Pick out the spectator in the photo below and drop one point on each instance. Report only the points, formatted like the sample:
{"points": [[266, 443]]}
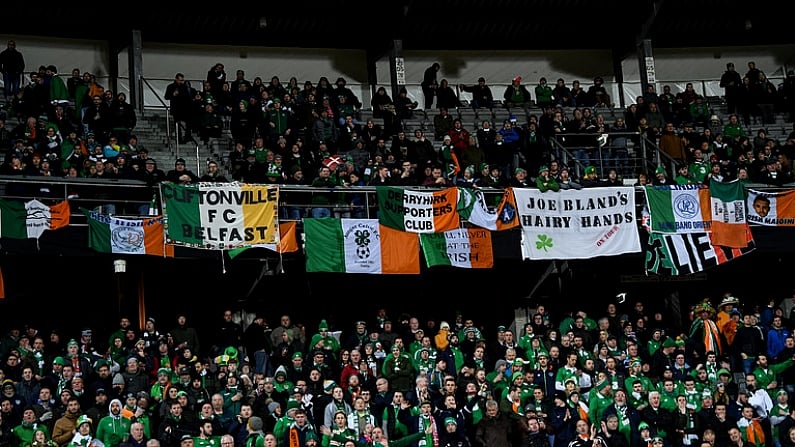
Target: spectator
{"points": [[429, 84], [12, 66], [517, 95], [180, 96]]}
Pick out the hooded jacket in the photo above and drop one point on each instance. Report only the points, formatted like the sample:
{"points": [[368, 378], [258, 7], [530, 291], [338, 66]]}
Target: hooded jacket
{"points": [[113, 429]]}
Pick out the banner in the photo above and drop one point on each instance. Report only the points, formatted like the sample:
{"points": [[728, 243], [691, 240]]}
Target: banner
{"points": [[773, 209], [28, 220], [679, 208], [288, 241], [220, 215], [108, 234], [472, 207], [465, 247], [728, 213], [685, 254], [359, 246], [418, 211], [577, 224]]}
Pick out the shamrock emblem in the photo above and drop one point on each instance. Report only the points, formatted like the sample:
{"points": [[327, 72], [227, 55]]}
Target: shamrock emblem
{"points": [[544, 242]]}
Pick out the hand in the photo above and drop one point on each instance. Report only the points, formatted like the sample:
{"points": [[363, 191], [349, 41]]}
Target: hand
{"points": [[46, 416]]}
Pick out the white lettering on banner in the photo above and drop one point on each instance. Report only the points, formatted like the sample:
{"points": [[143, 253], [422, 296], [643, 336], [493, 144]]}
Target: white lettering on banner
{"points": [[577, 224]]}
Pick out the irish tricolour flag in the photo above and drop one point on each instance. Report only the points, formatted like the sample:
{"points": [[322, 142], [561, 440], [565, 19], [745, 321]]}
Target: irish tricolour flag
{"points": [[28, 220], [359, 246], [220, 215], [679, 208], [464, 247], [109, 234]]}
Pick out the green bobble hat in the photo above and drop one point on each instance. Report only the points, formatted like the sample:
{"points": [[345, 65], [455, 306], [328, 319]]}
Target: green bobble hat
{"points": [[292, 404], [669, 343], [543, 168], [59, 361], [448, 421], [323, 326], [590, 170], [659, 170]]}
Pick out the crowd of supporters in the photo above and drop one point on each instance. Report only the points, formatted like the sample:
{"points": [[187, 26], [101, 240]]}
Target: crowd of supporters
{"points": [[623, 377]]}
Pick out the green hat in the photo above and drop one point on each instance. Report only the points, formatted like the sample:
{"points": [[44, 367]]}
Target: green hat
{"points": [[59, 361], [590, 170], [162, 372], [482, 167], [643, 425], [297, 355], [543, 168], [329, 385], [83, 419], [659, 170], [72, 342], [292, 404], [542, 354], [603, 384], [323, 326], [310, 436], [669, 343], [450, 421], [231, 351]]}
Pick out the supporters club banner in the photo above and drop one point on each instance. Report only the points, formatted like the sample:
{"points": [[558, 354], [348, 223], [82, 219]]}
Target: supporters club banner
{"points": [[679, 208], [220, 215], [359, 246], [108, 234], [418, 211], [772, 209], [464, 247], [577, 224], [28, 220]]}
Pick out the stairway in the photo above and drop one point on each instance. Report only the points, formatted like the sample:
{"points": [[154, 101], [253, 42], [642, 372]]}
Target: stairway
{"points": [[153, 135]]}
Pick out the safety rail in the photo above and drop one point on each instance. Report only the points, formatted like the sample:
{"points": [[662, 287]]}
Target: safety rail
{"points": [[133, 198]]}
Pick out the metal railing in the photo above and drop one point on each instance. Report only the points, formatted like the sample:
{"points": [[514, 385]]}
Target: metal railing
{"points": [[132, 198]]}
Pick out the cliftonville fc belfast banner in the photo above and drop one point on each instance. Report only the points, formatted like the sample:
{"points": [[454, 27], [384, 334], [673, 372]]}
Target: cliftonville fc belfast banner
{"points": [[577, 224], [220, 216]]}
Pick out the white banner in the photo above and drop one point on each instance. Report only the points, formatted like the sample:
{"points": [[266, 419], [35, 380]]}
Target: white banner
{"points": [[577, 224]]}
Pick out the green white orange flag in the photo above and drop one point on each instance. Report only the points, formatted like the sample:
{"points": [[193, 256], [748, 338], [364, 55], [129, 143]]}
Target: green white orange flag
{"points": [[418, 211], [679, 208], [359, 246], [108, 234], [728, 214], [28, 220], [464, 247]]}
